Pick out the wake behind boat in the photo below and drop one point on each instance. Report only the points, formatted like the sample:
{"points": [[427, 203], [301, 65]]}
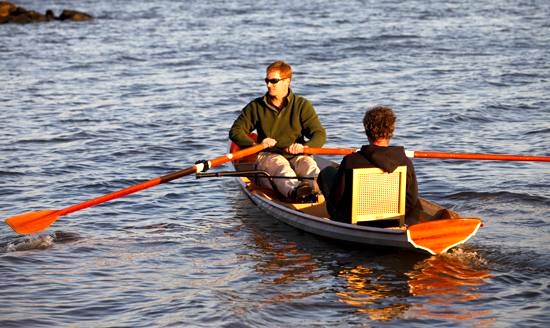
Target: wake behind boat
{"points": [[438, 229]]}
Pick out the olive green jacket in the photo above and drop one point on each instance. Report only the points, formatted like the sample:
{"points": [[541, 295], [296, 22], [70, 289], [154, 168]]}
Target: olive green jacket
{"points": [[296, 122]]}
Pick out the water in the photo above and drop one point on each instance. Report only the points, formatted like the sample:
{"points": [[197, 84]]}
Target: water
{"points": [[149, 87]]}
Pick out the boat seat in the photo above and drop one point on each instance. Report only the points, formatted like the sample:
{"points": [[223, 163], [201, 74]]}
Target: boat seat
{"points": [[378, 195]]}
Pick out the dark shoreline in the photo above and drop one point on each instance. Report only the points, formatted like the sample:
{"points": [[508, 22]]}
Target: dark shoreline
{"points": [[11, 13]]}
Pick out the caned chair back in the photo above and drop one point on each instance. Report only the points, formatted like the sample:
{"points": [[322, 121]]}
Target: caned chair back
{"points": [[378, 195]]}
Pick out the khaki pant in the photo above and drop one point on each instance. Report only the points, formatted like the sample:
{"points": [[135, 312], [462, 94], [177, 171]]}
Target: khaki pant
{"points": [[278, 165]]}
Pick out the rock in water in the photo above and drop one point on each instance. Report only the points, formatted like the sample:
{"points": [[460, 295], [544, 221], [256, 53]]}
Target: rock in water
{"points": [[10, 13]]}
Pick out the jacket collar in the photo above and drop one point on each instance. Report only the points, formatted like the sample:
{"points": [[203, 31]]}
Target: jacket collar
{"points": [[289, 99]]}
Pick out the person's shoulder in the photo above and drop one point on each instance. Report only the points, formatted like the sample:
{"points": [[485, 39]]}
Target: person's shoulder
{"points": [[393, 151], [352, 160], [303, 100], [260, 100], [399, 152], [397, 149], [304, 105], [255, 103], [297, 98]]}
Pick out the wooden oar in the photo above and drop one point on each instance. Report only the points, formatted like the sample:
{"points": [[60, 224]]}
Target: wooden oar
{"points": [[435, 154], [32, 222], [474, 156]]}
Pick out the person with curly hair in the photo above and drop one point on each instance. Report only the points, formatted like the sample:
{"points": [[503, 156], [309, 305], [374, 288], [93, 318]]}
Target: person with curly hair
{"points": [[336, 182]]}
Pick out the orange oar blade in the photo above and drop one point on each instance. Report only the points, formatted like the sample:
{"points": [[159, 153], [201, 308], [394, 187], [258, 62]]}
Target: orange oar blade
{"points": [[439, 236], [32, 222]]}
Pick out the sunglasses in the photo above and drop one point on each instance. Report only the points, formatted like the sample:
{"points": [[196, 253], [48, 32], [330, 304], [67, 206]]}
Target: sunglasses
{"points": [[273, 81]]}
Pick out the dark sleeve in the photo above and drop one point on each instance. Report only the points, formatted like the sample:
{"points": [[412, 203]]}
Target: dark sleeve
{"points": [[340, 194], [243, 125], [412, 187], [312, 127]]}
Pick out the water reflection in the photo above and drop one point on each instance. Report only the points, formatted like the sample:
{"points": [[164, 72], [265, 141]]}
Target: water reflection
{"points": [[381, 285], [285, 261], [372, 294], [282, 265], [447, 283], [448, 274], [438, 287], [280, 260]]}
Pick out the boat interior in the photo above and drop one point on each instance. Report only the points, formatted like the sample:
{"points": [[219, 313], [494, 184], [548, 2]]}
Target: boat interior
{"points": [[394, 219]]}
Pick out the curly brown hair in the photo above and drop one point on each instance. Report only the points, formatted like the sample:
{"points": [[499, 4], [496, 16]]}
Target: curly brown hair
{"points": [[379, 122]]}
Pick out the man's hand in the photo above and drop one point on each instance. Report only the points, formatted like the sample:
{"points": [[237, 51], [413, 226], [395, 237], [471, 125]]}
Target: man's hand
{"points": [[295, 148], [269, 142]]}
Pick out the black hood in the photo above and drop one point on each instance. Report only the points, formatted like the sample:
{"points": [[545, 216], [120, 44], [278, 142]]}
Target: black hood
{"points": [[386, 158]]}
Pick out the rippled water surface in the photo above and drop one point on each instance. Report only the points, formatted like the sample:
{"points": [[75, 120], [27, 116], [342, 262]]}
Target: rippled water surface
{"points": [[149, 87]]}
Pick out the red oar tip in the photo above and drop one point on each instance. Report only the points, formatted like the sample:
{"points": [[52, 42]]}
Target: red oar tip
{"points": [[32, 222]]}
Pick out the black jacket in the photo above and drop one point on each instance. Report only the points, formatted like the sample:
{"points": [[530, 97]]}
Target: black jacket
{"points": [[385, 158]]}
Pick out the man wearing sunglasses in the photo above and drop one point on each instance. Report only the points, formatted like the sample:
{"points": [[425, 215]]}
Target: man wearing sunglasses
{"points": [[286, 123]]}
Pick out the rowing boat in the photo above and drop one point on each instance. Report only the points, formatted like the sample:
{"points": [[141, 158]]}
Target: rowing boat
{"points": [[438, 229]]}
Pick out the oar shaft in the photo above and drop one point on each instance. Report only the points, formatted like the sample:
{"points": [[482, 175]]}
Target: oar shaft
{"points": [[474, 156], [113, 195], [435, 154], [328, 151], [237, 155], [248, 174], [163, 179]]}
